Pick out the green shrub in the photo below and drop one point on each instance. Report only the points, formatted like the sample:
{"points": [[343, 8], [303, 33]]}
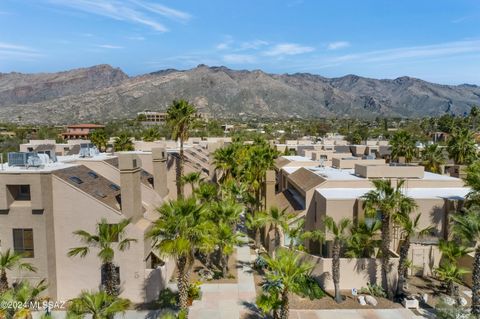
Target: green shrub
{"points": [[373, 290], [307, 286], [167, 299], [194, 291], [260, 263]]}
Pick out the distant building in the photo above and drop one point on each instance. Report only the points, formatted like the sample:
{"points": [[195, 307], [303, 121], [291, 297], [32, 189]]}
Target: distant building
{"points": [[80, 131], [156, 118]]}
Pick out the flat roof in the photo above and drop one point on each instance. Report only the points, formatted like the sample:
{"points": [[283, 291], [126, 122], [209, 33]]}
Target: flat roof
{"points": [[297, 158], [415, 193], [31, 170], [291, 169], [331, 173]]}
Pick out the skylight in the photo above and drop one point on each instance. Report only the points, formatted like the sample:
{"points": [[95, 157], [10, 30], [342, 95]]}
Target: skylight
{"points": [[76, 179], [115, 187], [93, 174]]}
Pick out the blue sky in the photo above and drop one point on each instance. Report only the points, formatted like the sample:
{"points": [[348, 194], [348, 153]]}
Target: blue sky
{"points": [[436, 40]]}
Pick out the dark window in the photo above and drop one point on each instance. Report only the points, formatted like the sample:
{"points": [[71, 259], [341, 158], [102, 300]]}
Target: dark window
{"points": [[93, 174], [115, 187], [76, 179], [19, 192], [23, 242]]}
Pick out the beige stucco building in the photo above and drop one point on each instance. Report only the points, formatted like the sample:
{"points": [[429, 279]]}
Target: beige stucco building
{"points": [[42, 205], [315, 192]]}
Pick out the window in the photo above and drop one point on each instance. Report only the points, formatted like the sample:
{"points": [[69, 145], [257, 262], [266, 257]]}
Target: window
{"points": [[93, 174], [75, 179], [115, 187], [19, 192], [23, 242]]}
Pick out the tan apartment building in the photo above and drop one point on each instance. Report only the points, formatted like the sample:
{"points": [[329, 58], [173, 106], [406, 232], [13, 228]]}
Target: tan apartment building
{"points": [[337, 192], [41, 207]]}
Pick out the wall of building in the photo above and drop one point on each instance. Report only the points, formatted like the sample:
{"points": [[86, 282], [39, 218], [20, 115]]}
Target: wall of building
{"points": [[76, 210]]}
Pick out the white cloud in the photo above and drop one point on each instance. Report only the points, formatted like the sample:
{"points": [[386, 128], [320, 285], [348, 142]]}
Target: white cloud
{"points": [[225, 45], [288, 49], [165, 11], [415, 52], [17, 52], [132, 11], [239, 58], [109, 46], [338, 45], [253, 45]]}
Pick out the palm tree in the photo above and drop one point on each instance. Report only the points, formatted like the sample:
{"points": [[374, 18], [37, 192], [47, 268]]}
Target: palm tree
{"points": [[296, 233], [278, 219], [388, 201], [99, 138], [461, 146], [193, 179], [24, 293], [180, 118], [363, 239], [408, 228], [338, 232], [179, 231], [473, 181], [452, 250], [451, 274], [151, 134], [123, 142], [254, 223], [206, 192], [227, 212], [226, 240], [99, 305], [432, 158], [225, 161], [10, 260], [287, 268], [467, 227], [403, 145], [105, 237]]}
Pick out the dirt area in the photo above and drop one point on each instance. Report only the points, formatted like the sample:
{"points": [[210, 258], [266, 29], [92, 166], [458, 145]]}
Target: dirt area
{"points": [[230, 278], [327, 302], [433, 288]]}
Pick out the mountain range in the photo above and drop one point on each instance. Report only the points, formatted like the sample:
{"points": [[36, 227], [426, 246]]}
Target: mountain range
{"points": [[102, 93]]}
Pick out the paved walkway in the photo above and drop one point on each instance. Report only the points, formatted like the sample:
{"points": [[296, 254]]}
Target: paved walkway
{"points": [[226, 301]]}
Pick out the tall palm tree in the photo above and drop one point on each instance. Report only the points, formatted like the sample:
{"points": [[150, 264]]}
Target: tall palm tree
{"points": [[403, 145], [206, 192], [226, 240], [99, 305], [227, 212], [461, 146], [10, 260], [180, 118], [180, 230], [296, 233], [254, 223], [225, 161], [388, 201], [278, 219], [192, 179], [151, 134], [339, 234], [287, 268], [24, 293], [363, 239], [99, 138], [104, 239], [408, 228], [123, 142], [467, 227], [473, 181], [433, 158]]}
